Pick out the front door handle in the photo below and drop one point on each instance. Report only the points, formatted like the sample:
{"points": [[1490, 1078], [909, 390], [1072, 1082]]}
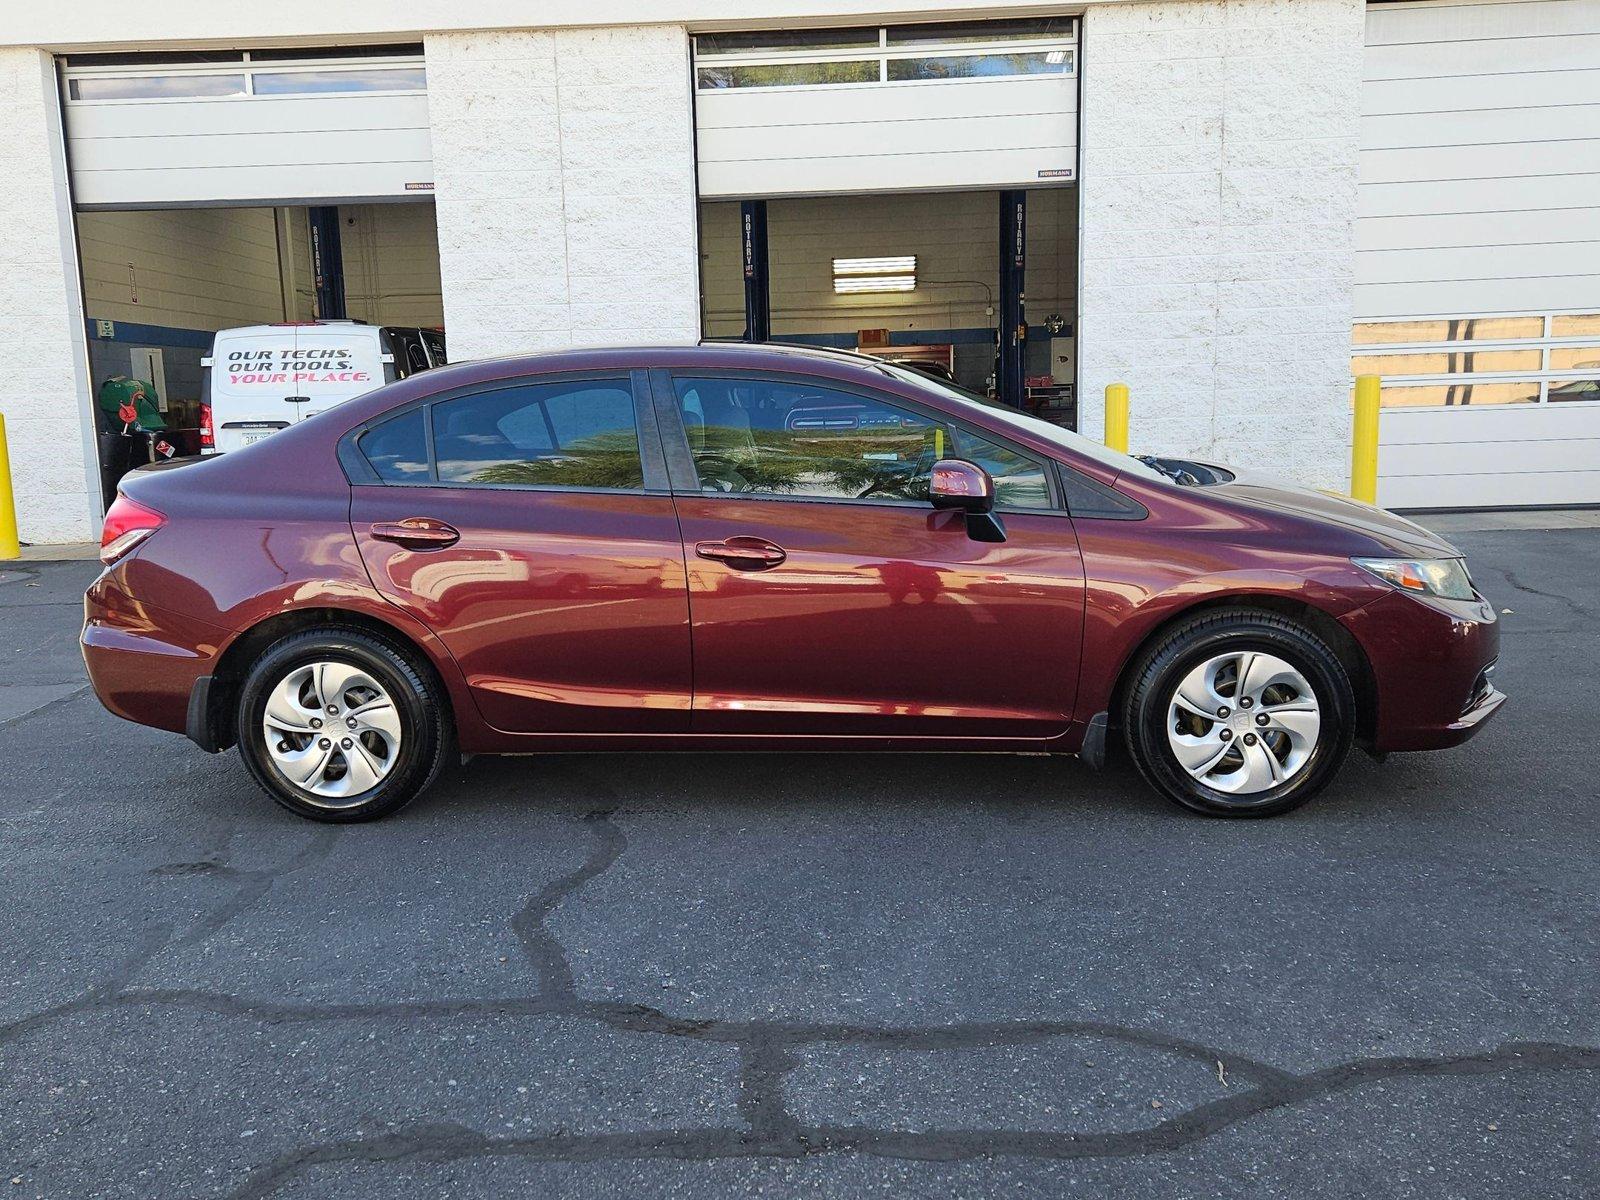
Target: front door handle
{"points": [[417, 533], [743, 553]]}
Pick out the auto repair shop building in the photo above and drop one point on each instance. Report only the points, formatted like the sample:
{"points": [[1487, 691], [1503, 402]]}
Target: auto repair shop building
{"points": [[1232, 205]]}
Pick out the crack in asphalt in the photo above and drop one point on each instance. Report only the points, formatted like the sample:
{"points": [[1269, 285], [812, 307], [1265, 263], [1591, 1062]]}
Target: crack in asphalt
{"points": [[253, 887], [1576, 607], [58, 702], [773, 1134], [542, 949], [113, 989], [766, 1056], [766, 1049]]}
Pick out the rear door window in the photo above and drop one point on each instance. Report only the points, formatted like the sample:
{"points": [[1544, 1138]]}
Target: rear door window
{"points": [[575, 434]]}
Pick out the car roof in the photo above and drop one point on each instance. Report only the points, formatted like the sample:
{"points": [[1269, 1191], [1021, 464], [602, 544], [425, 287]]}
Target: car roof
{"points": [[753, 356], [290, 328]]}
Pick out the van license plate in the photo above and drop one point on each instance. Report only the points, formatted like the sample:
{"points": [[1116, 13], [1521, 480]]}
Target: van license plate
{"points": [[250, 437]]}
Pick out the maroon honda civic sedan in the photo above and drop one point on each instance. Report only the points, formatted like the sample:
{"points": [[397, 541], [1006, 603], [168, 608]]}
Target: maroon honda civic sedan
{"points": [[740, 547]]}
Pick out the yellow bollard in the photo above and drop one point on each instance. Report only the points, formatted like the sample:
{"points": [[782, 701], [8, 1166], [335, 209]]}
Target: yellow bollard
{"points": [[9, 546], [1364, 440], [1117, 416]]}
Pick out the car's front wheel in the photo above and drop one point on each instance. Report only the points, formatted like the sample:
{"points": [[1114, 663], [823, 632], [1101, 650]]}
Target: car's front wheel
{"points": [[339, 725], [1239, 713]]}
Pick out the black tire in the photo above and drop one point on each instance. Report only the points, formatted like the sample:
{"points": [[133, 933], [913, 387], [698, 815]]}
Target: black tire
{"points": [[426, 734], [1156, 675]]}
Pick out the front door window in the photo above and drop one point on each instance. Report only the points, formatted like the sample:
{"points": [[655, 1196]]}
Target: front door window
{"points": [[771, 438]]}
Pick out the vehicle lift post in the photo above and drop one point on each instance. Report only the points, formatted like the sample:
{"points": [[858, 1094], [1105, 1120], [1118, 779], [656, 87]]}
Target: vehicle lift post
{"points": [[1010, 377], [327, 263], [757, 290]]}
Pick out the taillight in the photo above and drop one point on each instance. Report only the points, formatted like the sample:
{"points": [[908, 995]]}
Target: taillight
{"points": [[127, 524], [208, 440]]}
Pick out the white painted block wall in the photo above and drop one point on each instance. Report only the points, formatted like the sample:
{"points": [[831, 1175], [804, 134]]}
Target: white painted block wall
{"points": [[564, 172], [43, 360], [1219, 183]]}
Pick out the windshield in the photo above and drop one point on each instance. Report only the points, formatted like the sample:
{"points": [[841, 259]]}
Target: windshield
{"points": [[1065, 438]]}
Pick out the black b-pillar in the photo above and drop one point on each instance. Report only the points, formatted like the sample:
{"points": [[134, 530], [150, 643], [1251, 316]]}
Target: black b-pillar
{"points": [[1009, 376], [757, 294]]}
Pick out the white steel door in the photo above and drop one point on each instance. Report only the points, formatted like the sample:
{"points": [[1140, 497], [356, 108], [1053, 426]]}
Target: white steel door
{"points": [[1478, 251]]}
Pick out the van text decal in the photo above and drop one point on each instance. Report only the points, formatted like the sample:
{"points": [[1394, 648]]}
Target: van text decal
{"points": [[315, 364]]}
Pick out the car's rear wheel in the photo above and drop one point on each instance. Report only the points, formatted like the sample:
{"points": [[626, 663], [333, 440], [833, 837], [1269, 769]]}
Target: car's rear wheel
{"points": [[340, 725], [1239, 713]]}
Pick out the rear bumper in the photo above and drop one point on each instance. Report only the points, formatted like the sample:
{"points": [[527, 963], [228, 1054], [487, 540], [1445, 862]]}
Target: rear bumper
{"points": [[1431, 669], [143, 661]]}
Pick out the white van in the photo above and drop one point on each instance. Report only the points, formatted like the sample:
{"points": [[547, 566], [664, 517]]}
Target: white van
{"points": [[263, 378]]}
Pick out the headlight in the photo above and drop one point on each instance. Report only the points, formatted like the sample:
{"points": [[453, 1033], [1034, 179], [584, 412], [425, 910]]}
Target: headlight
{"points": [[1443, 577]]}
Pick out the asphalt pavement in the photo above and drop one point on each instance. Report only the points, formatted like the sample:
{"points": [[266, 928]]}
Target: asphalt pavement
{"points": [[784, 975]]}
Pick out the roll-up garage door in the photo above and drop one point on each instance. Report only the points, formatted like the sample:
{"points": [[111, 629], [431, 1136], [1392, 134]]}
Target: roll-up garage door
{"points": [[1478, 251], [251, 127], [966, 105]]}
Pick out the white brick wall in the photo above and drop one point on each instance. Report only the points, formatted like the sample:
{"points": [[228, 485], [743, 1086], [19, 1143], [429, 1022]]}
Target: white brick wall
{"points": [[1218, 244], [564, 176], [43, 360]]}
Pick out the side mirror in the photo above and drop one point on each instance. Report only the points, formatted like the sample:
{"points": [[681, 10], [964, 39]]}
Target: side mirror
{"points": [[956, 483], [967, 487]]}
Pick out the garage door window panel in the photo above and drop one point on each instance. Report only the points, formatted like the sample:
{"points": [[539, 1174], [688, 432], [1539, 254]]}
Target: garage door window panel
{"points": [[575, 435], [788, 74], [1566, 325], [155, 87], [1464, 361], [354, 79], [777, 41], [1573, 390], [1460, 395], [1448, 329], [767, 438], [1447, 362], [1575, 358], [980, 66], [904, 54], [946, 33]]}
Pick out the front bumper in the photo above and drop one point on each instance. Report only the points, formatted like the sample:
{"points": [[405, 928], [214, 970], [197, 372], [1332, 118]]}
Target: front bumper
{"points": [[1431, 669]]}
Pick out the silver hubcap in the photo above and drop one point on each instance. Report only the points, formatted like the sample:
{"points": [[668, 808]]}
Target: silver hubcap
{"points": [[332, 731], [1243, 722]]}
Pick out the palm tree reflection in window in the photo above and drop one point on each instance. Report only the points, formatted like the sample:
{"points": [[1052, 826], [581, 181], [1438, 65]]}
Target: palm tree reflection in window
{"points": [[886, 463], [602, 460]]}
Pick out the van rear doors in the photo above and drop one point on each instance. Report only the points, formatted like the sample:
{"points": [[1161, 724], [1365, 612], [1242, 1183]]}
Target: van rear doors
{"points": [[266, 377]]}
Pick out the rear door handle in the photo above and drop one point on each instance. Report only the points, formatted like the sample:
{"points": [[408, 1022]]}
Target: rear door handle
{"points": [[417, 533], [743, 553]]}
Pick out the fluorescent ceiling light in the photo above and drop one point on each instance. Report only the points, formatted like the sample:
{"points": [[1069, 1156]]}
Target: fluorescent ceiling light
{"points": [[901, 264], [874, 283]]}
